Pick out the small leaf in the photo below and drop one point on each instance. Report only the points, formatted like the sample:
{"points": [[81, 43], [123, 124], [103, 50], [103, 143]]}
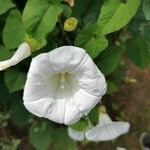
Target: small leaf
{"points": [[5, 5], [146, 9], [67, 11], [40, 136], [109, 59], [15, 80], [91, 42], [80, 125], [94, 115], [95, 45], [14, 32], [138, 51], [116, 14]]}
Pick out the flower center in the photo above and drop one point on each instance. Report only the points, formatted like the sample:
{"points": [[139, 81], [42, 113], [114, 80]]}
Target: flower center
{"points": [[63, 78]]}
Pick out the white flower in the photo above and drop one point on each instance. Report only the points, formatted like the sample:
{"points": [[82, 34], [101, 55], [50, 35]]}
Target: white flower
{"points": [[63, 85], [107, 129], [22, 52]]}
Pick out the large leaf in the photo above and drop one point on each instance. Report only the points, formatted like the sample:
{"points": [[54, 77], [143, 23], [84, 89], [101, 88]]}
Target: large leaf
{"points": [[40, 17], [15, 80], [109, 59], [138, 50], [4, 54], [19, 114], [91, 42], [146, 9], [5, 5], [62, 140], [14, 32], [115, 14], [40, 136]]}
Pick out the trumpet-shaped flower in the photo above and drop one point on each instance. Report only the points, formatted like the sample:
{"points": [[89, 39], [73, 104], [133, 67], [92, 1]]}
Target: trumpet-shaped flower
{"points": [[105, 130], [22, 52], [63, 85]]}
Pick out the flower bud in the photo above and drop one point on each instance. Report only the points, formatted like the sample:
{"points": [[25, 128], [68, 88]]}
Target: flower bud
{"points": [[70, 24]]}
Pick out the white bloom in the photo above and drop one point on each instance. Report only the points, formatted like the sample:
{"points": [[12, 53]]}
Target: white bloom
{"points": [[63, 85], [22, 52], [107, 129], [75, 134]]}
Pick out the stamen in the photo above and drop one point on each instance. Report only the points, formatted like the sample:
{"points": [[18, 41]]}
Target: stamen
{"points": [[62, 80]]}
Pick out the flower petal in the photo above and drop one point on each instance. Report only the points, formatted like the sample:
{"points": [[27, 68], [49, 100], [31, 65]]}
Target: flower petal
{"points": [[107, 132], [104, 119], [64, 112], [76, 135], [22, 52], [66, 58], [39, 107]]}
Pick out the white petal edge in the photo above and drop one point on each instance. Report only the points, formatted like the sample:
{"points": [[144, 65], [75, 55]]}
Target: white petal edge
{"points": [[75, 135], [22, 52]]}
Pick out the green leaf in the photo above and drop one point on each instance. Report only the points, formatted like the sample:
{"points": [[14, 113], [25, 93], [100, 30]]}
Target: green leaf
{"points": [[62, 140], [15, 80], [116, 14], [111, 87], [4, 54], [95, 45], [138, 50], [91, 42], [40, 21], [94, 115], [5, 5], [19, 114], [67, 11], [14, 32], [146, 9], [80, 125], [109, 59], [40, 136]]}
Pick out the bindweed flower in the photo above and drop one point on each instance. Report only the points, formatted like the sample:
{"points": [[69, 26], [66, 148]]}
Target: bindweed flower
{"points": [[22, 52], [106, 130], [70, 24], [63, 85]]}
